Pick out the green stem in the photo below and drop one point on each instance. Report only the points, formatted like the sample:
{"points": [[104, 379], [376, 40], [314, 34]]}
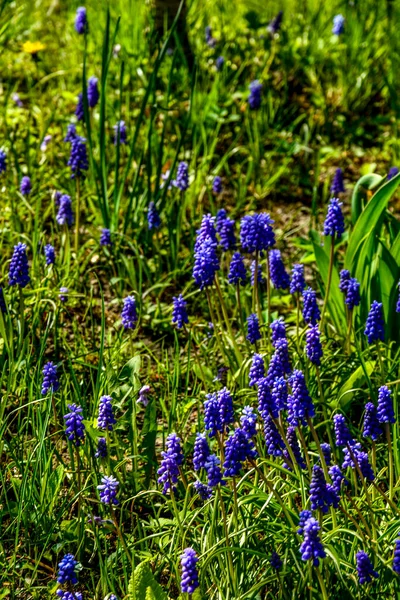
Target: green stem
{"points": [[328, 285], [214, 322], [229, 557], [322, 584], [77, 218], [227, 322], [390, 452]]}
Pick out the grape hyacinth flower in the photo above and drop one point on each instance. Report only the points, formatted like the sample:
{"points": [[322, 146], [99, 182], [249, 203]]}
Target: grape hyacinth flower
{"points": [[204, 491], [311, 548], [295, 448], [206, 230], [108, 490], [65, 215], [280, 279], [226, 230], [201, 451], [365, 569], [120, 133], [297, 281], [212, 415], [66, 570], [304, 515], [257, 369], [214, 473], [253, 329], [238, 448], [313, 345], [179, 312], [206, 264], [50, 378], [101, 451], [210, 41], [275, 561], [219, 63], [361, 458], [260, 278], [25, 186], [217, 185], [3, 161], [71, 133], [80, 110], [319, 496], [255, 96], [105, 237], [248, 421], [237, 271], [327, 453], [334, 222], [143, 398], [49, 254], [372, 427], [225, 404], [278, 329], [344, 277], [78, 160], [93, 94], [280, 393], [280, 362], [385, 409], [374, 327], [337, 186], [396, 555], [311, 312], [172, 458], [273, 441], [275, 24], [189, 578], [352, 293], [392, 173], [81, 23], [300, 405], [75, 429], [129, 315], [182, 177], [63, 294], [266, 404], [106, 418], [67, 595], [153, 218], [19, 271], [342, 433], [256, 233], [338, 25], [398, 300], [336, 476], [46, 141]]}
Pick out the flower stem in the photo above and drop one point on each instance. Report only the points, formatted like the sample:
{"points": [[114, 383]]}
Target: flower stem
{"points": [[328, 285], [77, 219]]}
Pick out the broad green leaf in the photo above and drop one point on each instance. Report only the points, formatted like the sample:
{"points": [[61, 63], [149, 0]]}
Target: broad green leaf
{"points": [[141, 580], [131, 370], [356, 380], [368, 182]]}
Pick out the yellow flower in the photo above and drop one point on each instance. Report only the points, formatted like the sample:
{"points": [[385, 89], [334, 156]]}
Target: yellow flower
{"points": [[33, 47]]}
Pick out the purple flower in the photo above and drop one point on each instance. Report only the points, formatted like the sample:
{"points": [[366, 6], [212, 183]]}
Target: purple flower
{"points": [[260, 278], [392, 173], [102, 451], [273, 441], [313, 345], [237, 271], [49, 254], [238, 448], [337, 477], [81, 23], [212, 415], [201, 451], [256, 233], [311, 312], [206, 264], [143, 398], [105, 237], [182, 177], [172, 458], [179, 313], [19, 271], [253, 329], [71, 133], [78, 160], [248, 421], [65, 215], [257, 369], [279, 364], [50, 379], [17, 100], [120, 133], [93, 91], [344, 280], [304, 515], [108, 490], [207, 230], [372, 427], [312, 548], [297, 281], [275, 25], [396, 556], [217, 184], [352, 293], [106, 418], [319, 495], [75, 429], [225, 404], [226, 230], [300, 404], [214, 473], [280, 393], [385, 410], [374, 327], [255, 96], [80, 110], [398, 300], [63, 294], [46, 141], [327, 452], [153, 218], [204, 491], [189, 578], [3, 161], [278, 329], [342, 433], [275, 561], [295, 448], [25, 186], [337, 186], [277, 272], [219, 63], [365, 569], [334, 222], [66, 570], [266, 404], [209, 38], [338, 25], [129, 315]]}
